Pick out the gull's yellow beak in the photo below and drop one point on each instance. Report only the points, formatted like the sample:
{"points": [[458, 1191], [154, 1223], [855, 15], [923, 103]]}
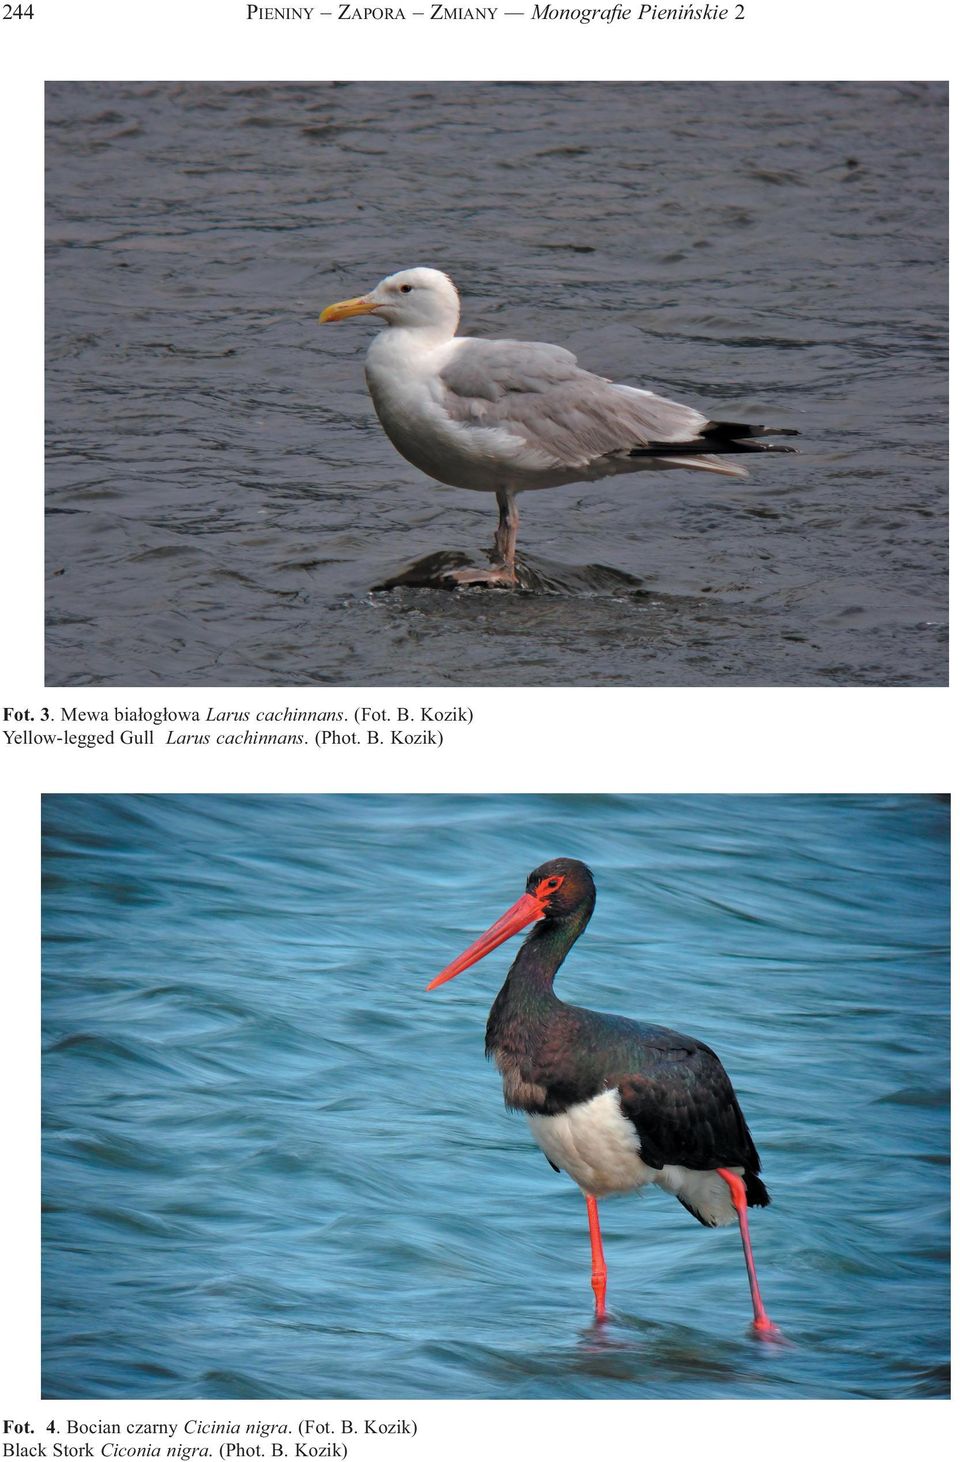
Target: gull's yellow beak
{"points": [[362, 305]]}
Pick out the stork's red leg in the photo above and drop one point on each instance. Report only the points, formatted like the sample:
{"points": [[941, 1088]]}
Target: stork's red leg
{"points": [[761, 1320], [598, 1270]]}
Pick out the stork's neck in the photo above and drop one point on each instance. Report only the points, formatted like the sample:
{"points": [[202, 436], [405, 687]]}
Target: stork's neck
{"points": [[544, 951], [527, 1000]]}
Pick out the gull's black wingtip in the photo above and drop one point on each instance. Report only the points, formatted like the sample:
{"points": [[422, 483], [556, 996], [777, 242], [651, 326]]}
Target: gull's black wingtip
{"points": [[734, 430], [709, 443], [739, 436]]}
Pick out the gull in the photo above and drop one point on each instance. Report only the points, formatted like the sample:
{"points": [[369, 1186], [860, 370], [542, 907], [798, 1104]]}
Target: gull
{"points": [[508, 416]]}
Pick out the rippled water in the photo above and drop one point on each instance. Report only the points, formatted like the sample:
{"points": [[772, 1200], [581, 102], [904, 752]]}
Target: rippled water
{"points": [[221, 499], [275, 1167]]}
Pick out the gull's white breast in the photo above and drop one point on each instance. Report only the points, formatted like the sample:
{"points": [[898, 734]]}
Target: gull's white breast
{"points": [[403, 376]]}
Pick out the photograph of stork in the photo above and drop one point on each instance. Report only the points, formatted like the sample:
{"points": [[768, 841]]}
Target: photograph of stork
{"points": [[679, 349], [613, 1103], [276, 1163]]}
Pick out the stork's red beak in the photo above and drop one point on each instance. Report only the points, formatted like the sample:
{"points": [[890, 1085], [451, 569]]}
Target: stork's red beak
{"points": [[525, 911]]}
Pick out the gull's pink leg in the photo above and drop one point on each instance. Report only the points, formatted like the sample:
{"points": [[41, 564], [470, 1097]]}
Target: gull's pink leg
{"points": [[503, 573], [598, 1273], [505, 538], [761, 1320]]}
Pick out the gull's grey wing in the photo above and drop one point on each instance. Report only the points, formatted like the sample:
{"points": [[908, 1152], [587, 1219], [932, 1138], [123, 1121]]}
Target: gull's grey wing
{"points": [[539, 393]]}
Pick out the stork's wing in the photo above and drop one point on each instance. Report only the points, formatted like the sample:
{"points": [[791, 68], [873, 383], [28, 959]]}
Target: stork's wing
{"points": [[684, 1108]]}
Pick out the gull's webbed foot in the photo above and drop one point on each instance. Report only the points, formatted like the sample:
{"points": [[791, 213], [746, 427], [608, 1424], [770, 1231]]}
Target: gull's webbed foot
{"points": [[499, 576]]}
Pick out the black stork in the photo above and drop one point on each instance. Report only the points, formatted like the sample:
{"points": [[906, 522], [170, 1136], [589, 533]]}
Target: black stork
{"points": [[613, 1103]]}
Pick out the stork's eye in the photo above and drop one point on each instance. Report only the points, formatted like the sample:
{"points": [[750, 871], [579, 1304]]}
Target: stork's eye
{"points": [[550, 885], [405, 288]]}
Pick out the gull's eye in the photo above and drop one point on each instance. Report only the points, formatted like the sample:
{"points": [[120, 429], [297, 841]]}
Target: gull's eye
{"points": [[405, 288]]}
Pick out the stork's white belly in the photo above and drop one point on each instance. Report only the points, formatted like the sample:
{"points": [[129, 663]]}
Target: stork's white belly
{"points": [[600, 1149], [596, 1144]]}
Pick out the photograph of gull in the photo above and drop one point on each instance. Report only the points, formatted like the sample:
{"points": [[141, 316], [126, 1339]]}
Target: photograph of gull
{"points": [[508, 416], [704, 262]]}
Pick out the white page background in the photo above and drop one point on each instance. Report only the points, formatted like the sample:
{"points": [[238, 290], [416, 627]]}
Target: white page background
{"points": [[617, 740]]}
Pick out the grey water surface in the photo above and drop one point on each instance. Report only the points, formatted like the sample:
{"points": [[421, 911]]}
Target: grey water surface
{"points": [[221, 499], [275, 1167]]}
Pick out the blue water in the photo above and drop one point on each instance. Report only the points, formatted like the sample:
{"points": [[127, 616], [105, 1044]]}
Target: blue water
{"points": [[275, 1167]]}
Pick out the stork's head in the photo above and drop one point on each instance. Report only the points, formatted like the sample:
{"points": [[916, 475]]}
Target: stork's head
{"points": [[562, 889]]}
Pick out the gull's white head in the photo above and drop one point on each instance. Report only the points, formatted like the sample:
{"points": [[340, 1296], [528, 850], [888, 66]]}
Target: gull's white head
{"points": [[417, 299]]}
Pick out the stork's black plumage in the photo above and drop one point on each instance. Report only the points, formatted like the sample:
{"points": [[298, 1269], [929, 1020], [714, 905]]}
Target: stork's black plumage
{"points": [[614, 1103]]}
